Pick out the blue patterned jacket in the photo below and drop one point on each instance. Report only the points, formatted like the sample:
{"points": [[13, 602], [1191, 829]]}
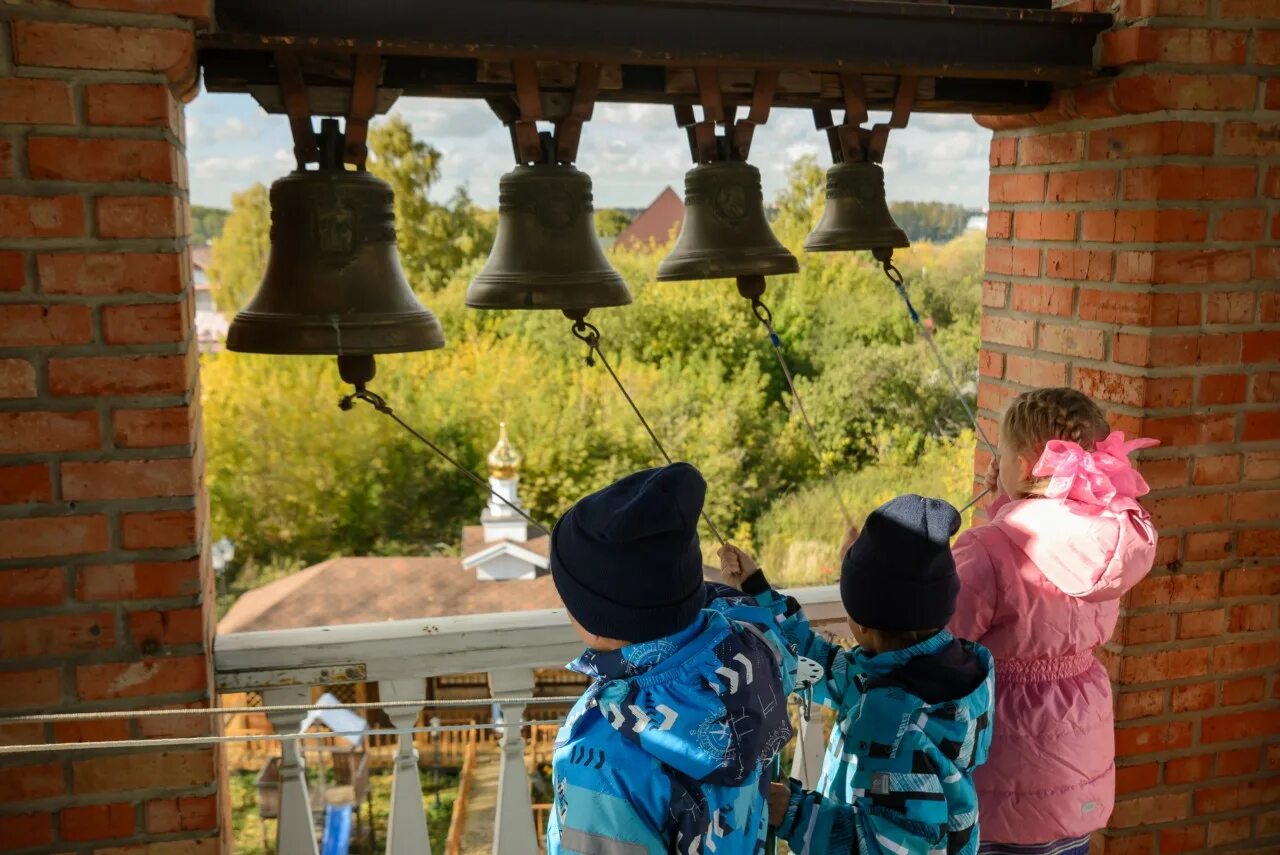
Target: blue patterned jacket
{"points": [[911, 726], [668, 750]]}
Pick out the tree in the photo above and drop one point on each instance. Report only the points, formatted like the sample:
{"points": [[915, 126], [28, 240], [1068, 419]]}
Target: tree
{"points": [[610, 222], [938, 222], [206, 223], [240, 253], [434, 240]]}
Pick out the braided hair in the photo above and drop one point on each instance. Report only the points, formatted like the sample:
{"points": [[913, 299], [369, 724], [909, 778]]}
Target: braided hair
{"points": [[1036, 417]]}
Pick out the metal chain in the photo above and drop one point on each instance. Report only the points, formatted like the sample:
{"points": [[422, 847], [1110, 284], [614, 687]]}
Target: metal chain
{"points": [[194, 711], [589, 334], [379, 403], [762, 313]]}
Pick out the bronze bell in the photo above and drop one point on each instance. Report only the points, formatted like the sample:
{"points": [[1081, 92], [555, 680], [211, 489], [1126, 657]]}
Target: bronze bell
{"points": [[857, 215], [725, 233], [333, 283], [546, 254]]}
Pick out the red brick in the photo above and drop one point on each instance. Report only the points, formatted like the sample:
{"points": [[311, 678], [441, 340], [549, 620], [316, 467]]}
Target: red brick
{"points": [[1045, 225], [1088, 186], [1247, 691], [1008, 331], [1239, 796], [1035, 372], [1199, 46], [1208, 545], [138, 581], [1175, 310], [31, 432], [995, 295], [1266, 47], [1165, 473], [1233, 727], [1072, 340], [137, 679], [1004, 151], [1227, 831], [36, 102], [1194, 698], [179, 727], [29, 588], [168, 628], [1266, 262], [119, 375], [1218, 469], [1266, 387], [1077, 264], [1146, 629], [1157, 139], [129, 104], [1039, 150], [1165, 665], [43, 326], [158, 530], [144, 324], [13, 271], [1176, 590], [17, 379], [127, 479], [1241, 224], [1252, 618], [198, 9], [193, 813], [56, 635], [1174, 841], [39, 537], [1018, 261], [1251, 139], [1148, 93], [1188, 770], [1183, 181], [97, 822], [1261, 426], [1139, 704], [1180, 350], [1017, 188], [26, 830], [1202, 624], [999, 225], [41, 216], [106, 730], [1110, 386], [991, 364], [1190, 430], [153, 770], [1256, 543], [1043, 299], [1188, 510], [72, 159], [6, 159], [139, 216], [65, 45], [1245, 656], [1232, 307], [1263, 466], [1133, 844], [1150, 809], [95, 274], [1145, 226], [1115, 307], [25, 483], [153, 428], [1255, 505], [31, 783], [1133, 779], [1261, 347], [30, 689]]}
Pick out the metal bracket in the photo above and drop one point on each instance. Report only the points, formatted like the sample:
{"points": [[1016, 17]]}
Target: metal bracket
{"points": [[522, 116], [850, 142], [293, 90], [705, 146], [364, 99]]}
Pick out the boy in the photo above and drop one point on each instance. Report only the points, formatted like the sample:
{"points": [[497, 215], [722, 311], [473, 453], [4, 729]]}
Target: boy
{"points": [[913, 703], [668, 749]]}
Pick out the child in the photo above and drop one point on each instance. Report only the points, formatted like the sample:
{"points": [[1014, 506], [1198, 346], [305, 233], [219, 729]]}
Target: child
{"points": [[1040, 587], [667, 751], [912, 702]]}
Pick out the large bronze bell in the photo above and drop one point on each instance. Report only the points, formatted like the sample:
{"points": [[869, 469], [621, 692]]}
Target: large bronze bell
{"points": [[725, 233], [546, 254], [857, 215], [333, 283]]}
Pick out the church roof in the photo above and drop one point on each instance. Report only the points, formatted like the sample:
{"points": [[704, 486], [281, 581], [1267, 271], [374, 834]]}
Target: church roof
{"points": [[655, 223]]}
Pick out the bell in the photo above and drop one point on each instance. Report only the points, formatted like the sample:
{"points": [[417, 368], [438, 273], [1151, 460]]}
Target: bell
{"points": [[546, 254], [725, 233], [857, 215], [333, 283]]}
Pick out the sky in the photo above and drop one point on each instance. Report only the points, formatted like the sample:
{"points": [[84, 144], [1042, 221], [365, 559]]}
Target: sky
{"points": [[631, 151]]}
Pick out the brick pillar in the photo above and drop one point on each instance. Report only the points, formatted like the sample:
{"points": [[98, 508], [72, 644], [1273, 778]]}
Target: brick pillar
{"points": [[105, 596], [1135, 254]]}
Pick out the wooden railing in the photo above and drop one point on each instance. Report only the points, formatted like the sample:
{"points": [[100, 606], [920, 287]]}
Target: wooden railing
{"points": [[458, 821], [284, 665]]}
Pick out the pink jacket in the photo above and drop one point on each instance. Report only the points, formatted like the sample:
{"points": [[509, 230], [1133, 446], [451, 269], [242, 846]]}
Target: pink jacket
{"points": [[1040, 588]]}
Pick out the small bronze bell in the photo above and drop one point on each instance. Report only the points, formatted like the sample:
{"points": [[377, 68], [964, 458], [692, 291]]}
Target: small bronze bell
{"points": [[725, 233], [857, 215], [333, 283], [546, 254]]}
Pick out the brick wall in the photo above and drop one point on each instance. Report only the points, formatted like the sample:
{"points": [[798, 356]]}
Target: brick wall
{"points": [[104, 596], [1135, 254]]}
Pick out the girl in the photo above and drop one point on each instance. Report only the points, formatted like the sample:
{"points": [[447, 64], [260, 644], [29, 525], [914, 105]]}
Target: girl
{"points": [[1040, 589]]}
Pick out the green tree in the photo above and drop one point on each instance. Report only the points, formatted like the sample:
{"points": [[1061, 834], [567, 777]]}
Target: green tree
{"points": [[611, 221], [938, 222], [206, 223], [434, 240], [240, 252]]}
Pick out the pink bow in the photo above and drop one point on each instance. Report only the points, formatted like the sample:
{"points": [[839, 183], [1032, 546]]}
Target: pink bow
{"points": [[1097, 478]]}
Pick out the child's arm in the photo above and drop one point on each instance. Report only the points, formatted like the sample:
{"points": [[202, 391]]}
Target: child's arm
{"points": [[976, 602], [810, 823], [793, 624]]}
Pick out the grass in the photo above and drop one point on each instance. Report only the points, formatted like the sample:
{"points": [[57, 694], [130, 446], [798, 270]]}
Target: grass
{"points": [[247, 836]]}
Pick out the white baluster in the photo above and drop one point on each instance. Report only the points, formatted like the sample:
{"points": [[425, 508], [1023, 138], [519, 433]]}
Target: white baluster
{"points": [[513, 832], [407, 823], [806, 765], [295, 832]]}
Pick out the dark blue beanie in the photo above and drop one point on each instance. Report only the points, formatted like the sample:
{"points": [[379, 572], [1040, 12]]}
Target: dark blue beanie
{"points": [[899, 575], [626, 560]]}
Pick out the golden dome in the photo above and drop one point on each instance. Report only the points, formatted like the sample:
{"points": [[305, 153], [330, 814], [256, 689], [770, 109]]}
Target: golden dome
{"points": [[504, 460]]}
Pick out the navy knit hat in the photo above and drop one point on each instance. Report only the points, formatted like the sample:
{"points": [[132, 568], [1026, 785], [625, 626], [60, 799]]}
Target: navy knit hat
{"points": [[626, 559], [899, 575]]}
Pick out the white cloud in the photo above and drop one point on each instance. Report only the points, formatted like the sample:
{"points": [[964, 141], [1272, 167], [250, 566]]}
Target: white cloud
{"points": [[235, 128]]}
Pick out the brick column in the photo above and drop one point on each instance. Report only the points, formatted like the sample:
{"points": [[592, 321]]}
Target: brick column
{"points": [[1135, 254], [105, 596]]}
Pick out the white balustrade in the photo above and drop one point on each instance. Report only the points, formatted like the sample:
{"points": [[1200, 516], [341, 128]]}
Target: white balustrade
{"points": [[806, 765], [407, 823], [295, 833], [513, 833]]}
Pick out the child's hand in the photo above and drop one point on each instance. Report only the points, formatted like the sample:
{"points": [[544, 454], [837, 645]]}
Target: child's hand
{"points": [[850, 536], [779, 800], [992, 479], [736, 566]]}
